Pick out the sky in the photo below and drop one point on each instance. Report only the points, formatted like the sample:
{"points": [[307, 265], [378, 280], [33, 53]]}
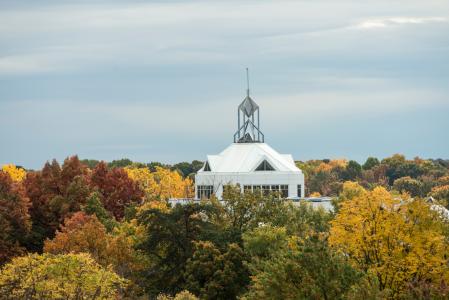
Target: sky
{"points": [[161, 80]]}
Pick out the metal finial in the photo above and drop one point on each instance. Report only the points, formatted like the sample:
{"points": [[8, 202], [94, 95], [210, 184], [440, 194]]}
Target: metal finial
{"points": [[248, 120], [247, 82]]}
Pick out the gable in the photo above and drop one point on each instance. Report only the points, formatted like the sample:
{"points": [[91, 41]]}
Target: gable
{"points": [[264, 166]]}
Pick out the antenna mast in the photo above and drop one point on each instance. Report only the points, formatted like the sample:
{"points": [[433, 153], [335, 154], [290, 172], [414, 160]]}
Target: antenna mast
{"points": [[247, 82]]}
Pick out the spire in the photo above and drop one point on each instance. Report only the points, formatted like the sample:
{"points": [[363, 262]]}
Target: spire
{"points": [[248, 120], [247, 82]]}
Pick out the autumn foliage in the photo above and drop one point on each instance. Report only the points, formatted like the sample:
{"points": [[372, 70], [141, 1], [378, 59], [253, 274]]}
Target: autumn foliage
{"points": [[162, 184], [95, 230], [15, 220], [400, 242], [116, 188], [84, 233], [80, 233], [70, 276], [16, 174]]}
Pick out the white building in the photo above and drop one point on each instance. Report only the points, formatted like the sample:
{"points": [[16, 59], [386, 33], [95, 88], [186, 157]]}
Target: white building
{"points": [[249, 162]]}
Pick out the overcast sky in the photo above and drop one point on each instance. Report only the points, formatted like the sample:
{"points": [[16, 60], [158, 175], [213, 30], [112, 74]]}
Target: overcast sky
{"points": [[161, 80]]}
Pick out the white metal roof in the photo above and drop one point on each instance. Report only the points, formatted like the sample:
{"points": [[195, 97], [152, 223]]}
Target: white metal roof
{"points": [[246, 157]]}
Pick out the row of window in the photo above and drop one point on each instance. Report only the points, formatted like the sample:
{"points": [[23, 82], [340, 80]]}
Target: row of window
{"points": [[266, 189], [206, 191]]}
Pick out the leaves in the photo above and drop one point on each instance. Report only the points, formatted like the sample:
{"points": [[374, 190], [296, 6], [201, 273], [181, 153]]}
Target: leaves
{"points": [[69, 276], [116, 188], [16, 174], [162, 184], [396, 241], [15, 220], [116, 220], [215, 275]]}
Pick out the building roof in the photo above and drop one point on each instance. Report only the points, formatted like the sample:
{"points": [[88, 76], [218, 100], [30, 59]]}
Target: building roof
{"points": [[246, 157]]}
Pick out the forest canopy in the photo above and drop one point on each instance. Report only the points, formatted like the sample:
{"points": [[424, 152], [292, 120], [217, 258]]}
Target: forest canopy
{"points": [[87, 229]]}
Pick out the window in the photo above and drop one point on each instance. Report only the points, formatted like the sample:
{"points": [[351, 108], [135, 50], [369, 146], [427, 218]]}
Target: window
{"points": [[264, 166], [265, 190], [205, 191], [206, 167], [284, 191], [299, 190]]}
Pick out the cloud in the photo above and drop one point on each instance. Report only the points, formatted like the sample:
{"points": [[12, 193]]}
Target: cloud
{"points": [[387, 22], [90, 36], [140, 73], [24, 64], [50, 59]]}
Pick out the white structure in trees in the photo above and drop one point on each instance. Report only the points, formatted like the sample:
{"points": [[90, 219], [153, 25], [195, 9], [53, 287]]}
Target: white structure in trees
{"points": [[250, 162]]}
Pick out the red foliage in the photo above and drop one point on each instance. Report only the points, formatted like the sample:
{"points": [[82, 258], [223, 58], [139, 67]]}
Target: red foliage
{"points": [[55, 193], [14, 218], [58, 192], [71, 168], [116, 188], [77, 220]]}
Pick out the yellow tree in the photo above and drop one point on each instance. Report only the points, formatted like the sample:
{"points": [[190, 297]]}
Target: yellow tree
{"points": [[68, 276], [161, 184], [144, 178], [16, 174], [397, 241]]}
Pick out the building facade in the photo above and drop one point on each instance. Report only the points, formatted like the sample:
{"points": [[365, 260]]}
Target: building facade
{"points": [[250, 162]]}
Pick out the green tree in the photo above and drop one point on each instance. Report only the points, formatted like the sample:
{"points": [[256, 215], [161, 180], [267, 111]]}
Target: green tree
{"points": [[370, 163], [120, 163], [262, 243], [411, 186], [152, 166], [398, 166], [169, 243], [213, 275], [304, 269], [187, 169], [184, 295], [353, 171], [94, 206]]}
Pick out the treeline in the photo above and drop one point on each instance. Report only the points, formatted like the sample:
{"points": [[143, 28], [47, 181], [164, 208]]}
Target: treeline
{"points": [[72, 231], [418, 177], [186, 169]]}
